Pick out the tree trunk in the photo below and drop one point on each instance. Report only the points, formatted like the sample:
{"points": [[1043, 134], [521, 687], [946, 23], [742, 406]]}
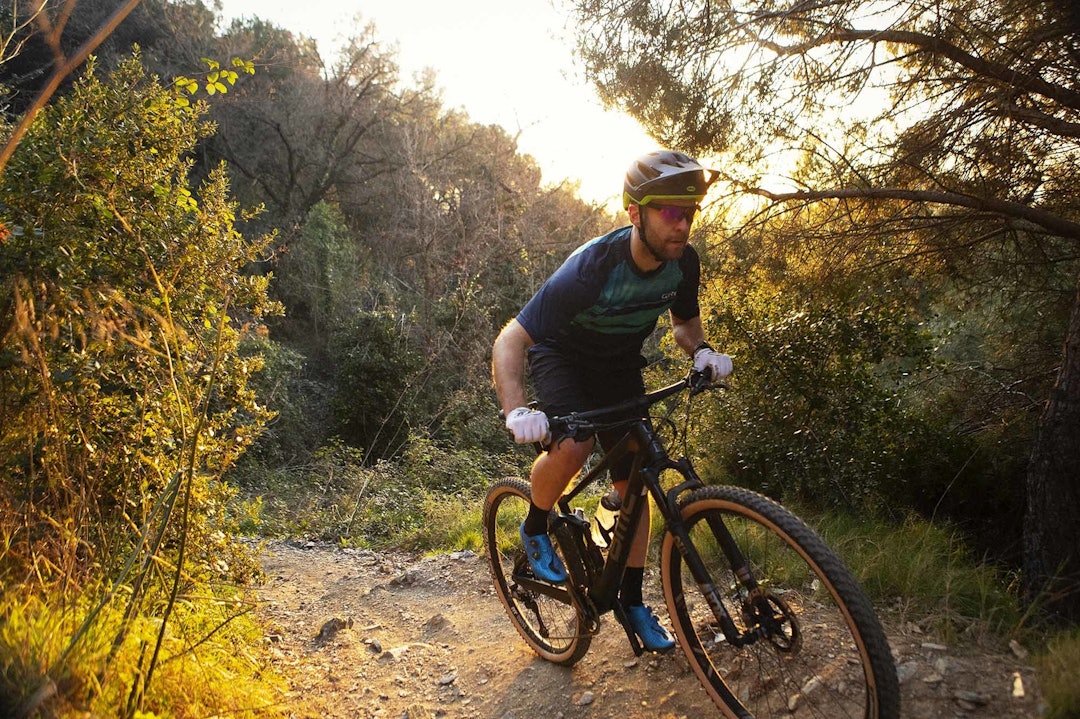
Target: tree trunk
{"points": [[1052, 523]]}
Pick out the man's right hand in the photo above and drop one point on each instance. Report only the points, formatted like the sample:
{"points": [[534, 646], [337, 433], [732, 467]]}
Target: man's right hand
{"points": [[527, 425]]}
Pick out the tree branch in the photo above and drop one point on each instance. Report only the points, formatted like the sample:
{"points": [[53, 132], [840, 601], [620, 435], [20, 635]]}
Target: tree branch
{"points": [[1003, 73], [1054, 224], [57, 77], [1057, 126]]}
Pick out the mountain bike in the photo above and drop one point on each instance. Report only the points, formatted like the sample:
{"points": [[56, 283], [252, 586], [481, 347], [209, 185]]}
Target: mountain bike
{"points": [[768, 617]]}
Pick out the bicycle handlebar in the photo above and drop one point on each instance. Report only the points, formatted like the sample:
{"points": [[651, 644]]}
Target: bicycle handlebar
{"points": [[587, 422]]}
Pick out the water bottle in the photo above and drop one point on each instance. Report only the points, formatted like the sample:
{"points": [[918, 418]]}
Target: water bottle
{"points": [[607, 513]]}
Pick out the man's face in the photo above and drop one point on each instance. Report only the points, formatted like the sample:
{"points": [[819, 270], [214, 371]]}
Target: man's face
{"points": [[666, 227]]}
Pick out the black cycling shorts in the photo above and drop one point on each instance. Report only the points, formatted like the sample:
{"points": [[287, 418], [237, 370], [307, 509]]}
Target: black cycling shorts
{"points": [[564, 385]]}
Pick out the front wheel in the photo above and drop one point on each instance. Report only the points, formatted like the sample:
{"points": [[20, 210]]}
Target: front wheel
{"points": [[543, 613], [815, 647]]}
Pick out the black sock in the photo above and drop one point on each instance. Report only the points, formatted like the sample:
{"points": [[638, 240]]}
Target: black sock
{"points": [[537, 521], [630, 589]]}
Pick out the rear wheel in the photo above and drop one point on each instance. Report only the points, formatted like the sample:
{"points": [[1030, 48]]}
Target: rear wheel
{"points": [[820, 650], [542, 613]]}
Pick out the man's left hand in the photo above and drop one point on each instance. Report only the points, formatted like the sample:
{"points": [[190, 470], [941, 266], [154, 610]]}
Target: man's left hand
{"points": [[715, 365]]}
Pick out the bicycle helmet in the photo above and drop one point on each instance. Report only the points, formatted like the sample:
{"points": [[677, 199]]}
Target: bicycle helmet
{"points": [[665, 175]]}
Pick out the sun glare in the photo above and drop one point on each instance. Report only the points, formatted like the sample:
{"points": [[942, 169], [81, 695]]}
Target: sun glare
{"points": [[504, 63]]}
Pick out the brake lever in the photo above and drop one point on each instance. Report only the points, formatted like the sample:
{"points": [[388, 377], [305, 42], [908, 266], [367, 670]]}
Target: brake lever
{"points": [[577, 430], [699, 382]]}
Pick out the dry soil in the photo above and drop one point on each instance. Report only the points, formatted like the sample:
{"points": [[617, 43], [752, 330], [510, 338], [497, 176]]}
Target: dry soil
{"points": [[372, 634]]}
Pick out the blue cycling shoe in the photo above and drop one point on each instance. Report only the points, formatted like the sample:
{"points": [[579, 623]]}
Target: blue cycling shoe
{"points": [[545, 564], [652, 634]]}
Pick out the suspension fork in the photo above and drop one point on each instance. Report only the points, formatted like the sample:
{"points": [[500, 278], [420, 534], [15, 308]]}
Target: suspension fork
{"points": [[680, 533]]}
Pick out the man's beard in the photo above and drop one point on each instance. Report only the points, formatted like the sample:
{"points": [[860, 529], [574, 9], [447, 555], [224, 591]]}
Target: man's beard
{"points": [[660, 252]]}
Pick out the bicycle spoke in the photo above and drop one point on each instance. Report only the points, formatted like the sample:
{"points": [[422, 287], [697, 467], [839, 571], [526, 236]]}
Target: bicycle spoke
{"points": [[807, 653], [542, 613]]}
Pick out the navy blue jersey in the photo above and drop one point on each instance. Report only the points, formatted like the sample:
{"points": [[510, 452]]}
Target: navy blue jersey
{"points": [[598, 307]]}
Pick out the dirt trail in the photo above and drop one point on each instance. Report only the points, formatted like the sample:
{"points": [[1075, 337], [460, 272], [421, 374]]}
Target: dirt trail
{"points": [[373, 634]]}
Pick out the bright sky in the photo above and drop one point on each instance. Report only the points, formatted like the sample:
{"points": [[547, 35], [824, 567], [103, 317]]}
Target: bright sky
{"points": [[505, 62]]}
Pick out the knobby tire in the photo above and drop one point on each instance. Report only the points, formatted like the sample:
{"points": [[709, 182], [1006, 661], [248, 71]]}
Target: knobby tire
{"points": [[826, 656], [542, 614]]}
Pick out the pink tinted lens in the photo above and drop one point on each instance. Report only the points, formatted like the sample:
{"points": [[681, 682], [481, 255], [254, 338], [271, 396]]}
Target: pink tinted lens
{"points": [[671, 213]]}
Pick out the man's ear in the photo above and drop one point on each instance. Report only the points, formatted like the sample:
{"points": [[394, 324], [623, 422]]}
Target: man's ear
{"points": [[635, 214]]}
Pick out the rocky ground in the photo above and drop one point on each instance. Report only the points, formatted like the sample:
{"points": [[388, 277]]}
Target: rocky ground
{"points": [[372, 634]]}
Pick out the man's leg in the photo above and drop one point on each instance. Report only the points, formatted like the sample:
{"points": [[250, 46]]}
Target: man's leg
{"points": [[554, 469], [639, 548], [630, 589], [551, 472], [653, 635]]}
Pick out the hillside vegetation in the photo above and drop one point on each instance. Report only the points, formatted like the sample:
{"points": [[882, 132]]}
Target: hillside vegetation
{"points": [[257, 298]]}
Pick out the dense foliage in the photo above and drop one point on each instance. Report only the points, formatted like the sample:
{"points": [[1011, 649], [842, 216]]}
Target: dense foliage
{"points": [[892, 356], [123, 393], [136, 364], [935, 140], [859, 389]]}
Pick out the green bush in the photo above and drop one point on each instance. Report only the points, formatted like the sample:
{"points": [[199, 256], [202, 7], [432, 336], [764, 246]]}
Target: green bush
{"points": [[123, 393], [320, 276], [123, 369], [372, 397], [816, 410], [287, 386]]}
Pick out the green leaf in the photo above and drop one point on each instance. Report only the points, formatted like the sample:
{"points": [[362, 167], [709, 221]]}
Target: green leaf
{"points": [[247, 65]]}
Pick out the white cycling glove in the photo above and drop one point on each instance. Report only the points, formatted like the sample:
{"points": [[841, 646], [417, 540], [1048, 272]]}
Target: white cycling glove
{"points": [[713, 364], [527, 425]]}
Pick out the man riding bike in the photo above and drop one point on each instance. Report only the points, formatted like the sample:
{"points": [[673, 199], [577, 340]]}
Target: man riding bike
{"points": [[582, 335]]}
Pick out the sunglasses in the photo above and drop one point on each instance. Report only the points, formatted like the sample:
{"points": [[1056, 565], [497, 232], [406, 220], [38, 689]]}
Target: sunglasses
{"points": [[674, 213]]}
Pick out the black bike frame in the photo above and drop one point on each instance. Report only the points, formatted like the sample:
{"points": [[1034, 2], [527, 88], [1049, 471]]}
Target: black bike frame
{"points": [[650, 461]]}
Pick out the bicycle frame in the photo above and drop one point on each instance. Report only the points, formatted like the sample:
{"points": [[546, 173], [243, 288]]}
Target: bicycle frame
{"points": [[736, 568], [651, 459]]}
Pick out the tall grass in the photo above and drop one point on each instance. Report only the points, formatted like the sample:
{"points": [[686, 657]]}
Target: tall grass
{"points": [[1058, 679], [53, 663], [429, 498], [926, 573]]}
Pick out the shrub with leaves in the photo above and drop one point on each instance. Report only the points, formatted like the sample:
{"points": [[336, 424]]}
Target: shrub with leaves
{"points": [[373, 366], [816, 410], [123, 396]]}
